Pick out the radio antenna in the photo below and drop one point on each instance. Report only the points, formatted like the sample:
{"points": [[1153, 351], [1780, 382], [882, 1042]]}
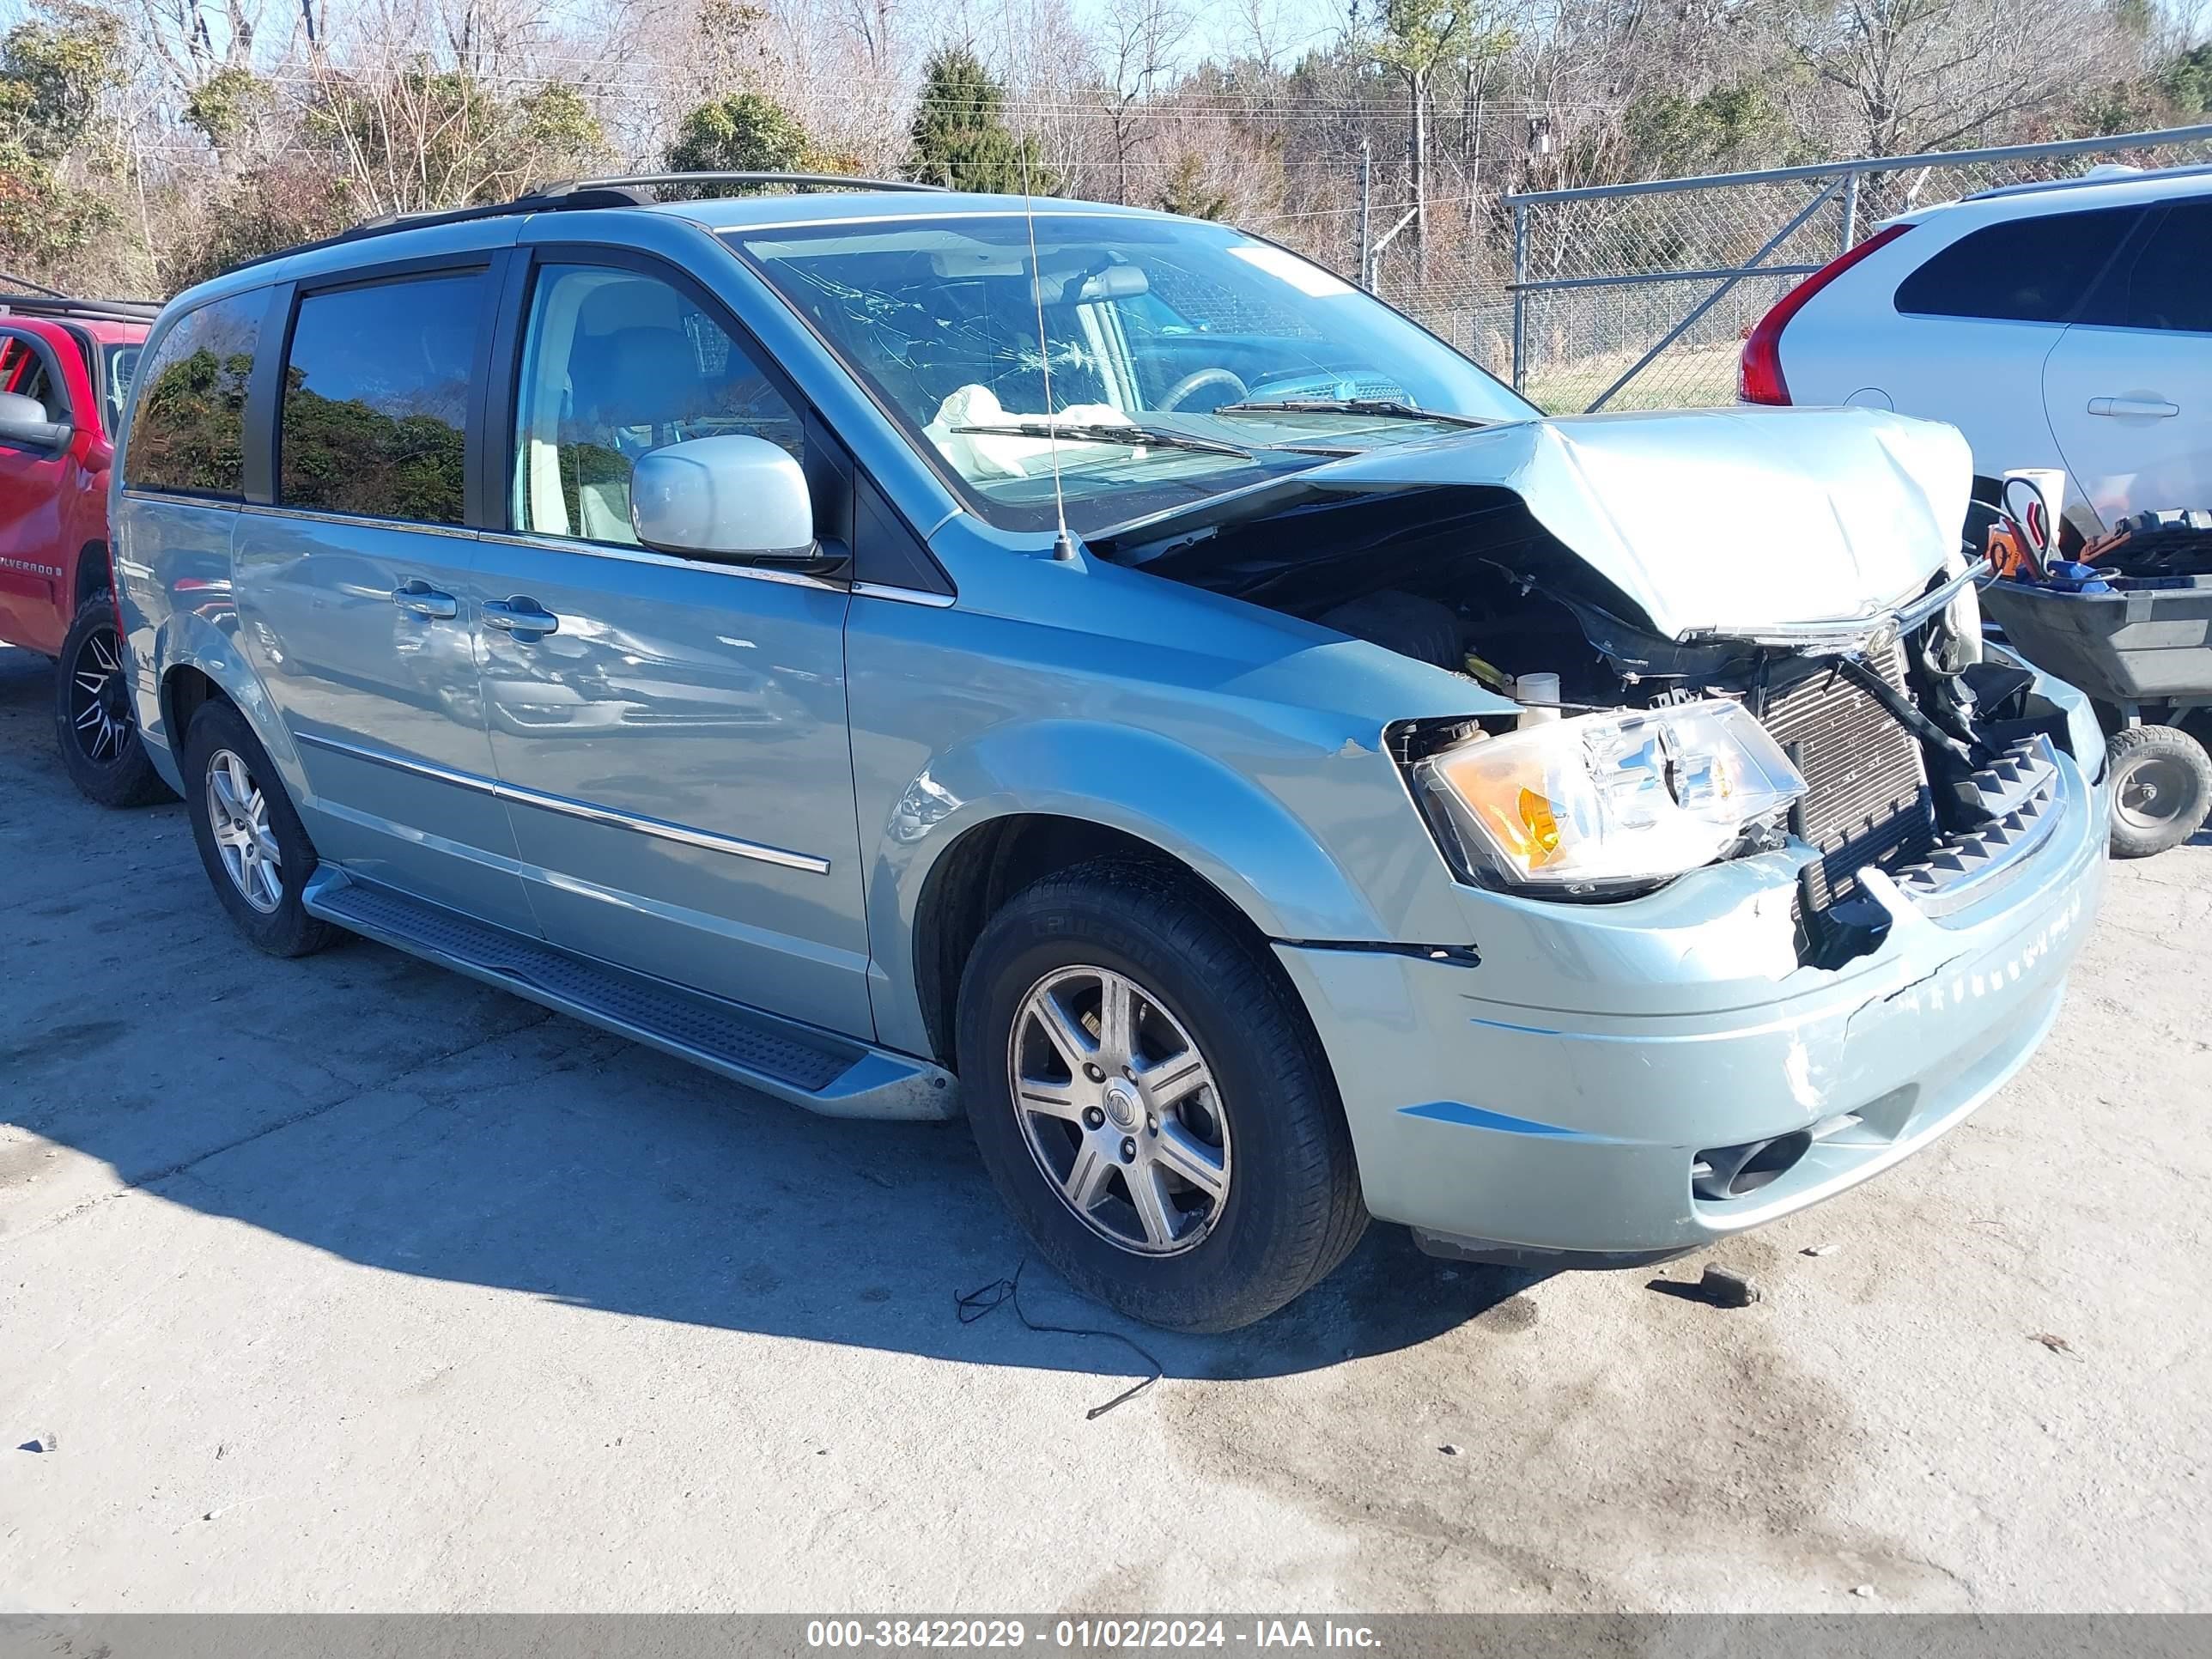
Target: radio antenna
{"points": [[1063, 545]]}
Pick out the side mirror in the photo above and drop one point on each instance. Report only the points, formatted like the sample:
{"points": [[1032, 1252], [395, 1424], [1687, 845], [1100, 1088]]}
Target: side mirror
{"points": [[23, 423], [732, 497]]}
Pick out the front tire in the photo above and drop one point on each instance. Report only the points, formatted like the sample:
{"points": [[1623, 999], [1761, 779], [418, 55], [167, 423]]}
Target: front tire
{"points": [[1152, 1102], [254, 847], [93, 717], [2161, 782]]}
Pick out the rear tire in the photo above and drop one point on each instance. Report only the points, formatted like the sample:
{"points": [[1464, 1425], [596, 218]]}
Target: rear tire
{"points": [[254, 847], [93, 719], [1270, 1204], [2161, 782]]}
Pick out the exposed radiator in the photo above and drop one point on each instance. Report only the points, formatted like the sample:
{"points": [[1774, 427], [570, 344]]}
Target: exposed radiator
{"points": [[1866, 800]]}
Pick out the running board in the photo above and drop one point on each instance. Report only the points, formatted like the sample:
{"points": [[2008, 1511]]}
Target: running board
{"points": [[836, 1076]]}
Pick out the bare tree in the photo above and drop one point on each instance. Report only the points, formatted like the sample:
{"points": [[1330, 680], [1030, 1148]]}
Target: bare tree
{"points": [[1138, 44], [1414, 39], [1260, 32], [1919, 74], [872, 25], [191, 40]]}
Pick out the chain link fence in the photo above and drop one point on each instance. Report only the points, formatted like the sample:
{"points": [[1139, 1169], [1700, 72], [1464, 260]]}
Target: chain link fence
{"points": [[1638, 296]]}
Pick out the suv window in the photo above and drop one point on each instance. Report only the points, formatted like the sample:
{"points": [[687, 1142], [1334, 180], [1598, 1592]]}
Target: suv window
{"points": [[188, 432], [2025, 271], [616, 364], [376, 393], [2164, 286]]}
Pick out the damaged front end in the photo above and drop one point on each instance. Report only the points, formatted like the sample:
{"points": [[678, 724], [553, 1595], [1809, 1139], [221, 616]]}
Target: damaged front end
{"points": [[1687, 638]]}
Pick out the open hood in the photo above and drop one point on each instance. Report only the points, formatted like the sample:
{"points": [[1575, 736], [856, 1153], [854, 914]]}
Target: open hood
{"points": [[1730, 522]]}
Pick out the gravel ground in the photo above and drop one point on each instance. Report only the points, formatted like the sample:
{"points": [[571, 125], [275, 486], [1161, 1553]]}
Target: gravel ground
{"points": [[346, 1282]]}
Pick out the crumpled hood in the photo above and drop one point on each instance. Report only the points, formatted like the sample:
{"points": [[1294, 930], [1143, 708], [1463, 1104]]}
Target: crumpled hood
{"points": [[1723, 521]]}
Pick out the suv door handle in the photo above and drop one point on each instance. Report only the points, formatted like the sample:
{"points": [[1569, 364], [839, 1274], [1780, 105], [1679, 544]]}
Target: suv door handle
{"points": [[2158, 408], [419, 598], [520, 615]]}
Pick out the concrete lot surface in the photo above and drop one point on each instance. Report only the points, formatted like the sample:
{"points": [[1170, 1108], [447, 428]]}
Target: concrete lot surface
{"points": [[346, 1282]]}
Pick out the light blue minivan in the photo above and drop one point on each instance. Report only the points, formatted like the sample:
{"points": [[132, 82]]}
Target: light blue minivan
{"points": [[921, 654]]}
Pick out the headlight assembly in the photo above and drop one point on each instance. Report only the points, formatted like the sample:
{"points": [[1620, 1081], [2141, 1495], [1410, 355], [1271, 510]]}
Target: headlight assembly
{"points": [[1607, 803]]}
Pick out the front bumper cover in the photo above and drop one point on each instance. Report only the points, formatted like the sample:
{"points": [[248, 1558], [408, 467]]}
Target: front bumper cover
{"points": [[1483, 1110]]}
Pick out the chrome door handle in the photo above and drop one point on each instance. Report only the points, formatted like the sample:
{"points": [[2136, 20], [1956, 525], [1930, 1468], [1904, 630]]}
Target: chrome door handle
{"points": [[419, 599], [519, 616], [2157, 408]]}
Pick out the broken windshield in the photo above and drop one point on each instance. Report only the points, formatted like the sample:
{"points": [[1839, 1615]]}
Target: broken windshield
{"points": [[1150, 325]]}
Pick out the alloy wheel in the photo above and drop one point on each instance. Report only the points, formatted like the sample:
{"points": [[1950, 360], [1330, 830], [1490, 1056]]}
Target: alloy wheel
{"points": [[239, 813], [100, 700], [1120, 1110]]}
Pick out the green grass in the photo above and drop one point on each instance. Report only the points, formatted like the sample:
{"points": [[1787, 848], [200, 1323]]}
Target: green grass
{"points": [[1699, 377]]}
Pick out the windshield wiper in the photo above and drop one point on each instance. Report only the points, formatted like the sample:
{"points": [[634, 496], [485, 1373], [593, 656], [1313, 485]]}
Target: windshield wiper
{"points": [[1136, 436], [1388, 408]]}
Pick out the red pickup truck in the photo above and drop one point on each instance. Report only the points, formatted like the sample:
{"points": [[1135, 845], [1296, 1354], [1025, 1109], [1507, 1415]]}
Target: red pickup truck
{"points": [[66, 368]]}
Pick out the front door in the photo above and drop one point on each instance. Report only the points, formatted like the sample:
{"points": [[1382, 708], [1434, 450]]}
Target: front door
{"points": [[2129, 387], [670, 732], [33, 488], [354, 593]]}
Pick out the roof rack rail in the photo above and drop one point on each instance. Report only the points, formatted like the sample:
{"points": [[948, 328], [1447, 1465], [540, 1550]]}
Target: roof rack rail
{"points": [[2111, 173], [796, 180], [47, 303], [574, 195]]}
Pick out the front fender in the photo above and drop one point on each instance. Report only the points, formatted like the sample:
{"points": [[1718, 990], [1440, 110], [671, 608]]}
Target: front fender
{"points": [[1192, 807]]}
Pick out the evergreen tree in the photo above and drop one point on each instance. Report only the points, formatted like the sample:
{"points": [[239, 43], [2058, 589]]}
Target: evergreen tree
{"points": [[961, 139], [1187, 192], [743, 133]]}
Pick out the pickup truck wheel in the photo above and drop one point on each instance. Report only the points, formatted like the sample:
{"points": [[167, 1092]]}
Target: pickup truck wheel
{"points": [[1152, 1102], [2161, 788], [93, 717], [256, 850]]}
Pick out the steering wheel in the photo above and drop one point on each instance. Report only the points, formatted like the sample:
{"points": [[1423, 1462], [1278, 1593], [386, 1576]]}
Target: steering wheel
{"points": [[1172, 398]]}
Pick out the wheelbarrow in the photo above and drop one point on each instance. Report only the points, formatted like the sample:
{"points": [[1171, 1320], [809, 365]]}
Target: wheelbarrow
{"points": [[2141, 645]]}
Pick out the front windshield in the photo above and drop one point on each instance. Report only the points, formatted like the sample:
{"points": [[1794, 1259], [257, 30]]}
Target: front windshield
{"points": [[1157, 327]]}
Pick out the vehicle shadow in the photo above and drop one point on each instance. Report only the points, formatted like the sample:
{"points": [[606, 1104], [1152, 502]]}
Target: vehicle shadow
{"points": [[405, 1119]]}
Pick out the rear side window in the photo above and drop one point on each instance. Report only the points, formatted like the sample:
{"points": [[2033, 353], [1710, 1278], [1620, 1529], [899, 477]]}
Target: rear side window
{"points": [[2023, 270], [188, 433], [2166, 285], [376, 390]]}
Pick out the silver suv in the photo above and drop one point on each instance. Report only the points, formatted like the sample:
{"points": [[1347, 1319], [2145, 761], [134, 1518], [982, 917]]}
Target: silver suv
{"points": [[921, 654]]}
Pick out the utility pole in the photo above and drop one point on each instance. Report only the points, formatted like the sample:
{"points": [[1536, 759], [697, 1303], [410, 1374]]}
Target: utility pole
{"points": [[1366, 216], [1417, 167]]}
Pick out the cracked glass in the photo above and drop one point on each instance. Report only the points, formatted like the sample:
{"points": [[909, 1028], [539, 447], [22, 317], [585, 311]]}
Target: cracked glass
{"points": [[1155, 330]]}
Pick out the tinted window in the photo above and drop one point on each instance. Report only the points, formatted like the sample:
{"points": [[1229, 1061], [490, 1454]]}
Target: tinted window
{"points": [[2025, 271], [616, 364], [188, 433], [376, 392], [2168, 283]]}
